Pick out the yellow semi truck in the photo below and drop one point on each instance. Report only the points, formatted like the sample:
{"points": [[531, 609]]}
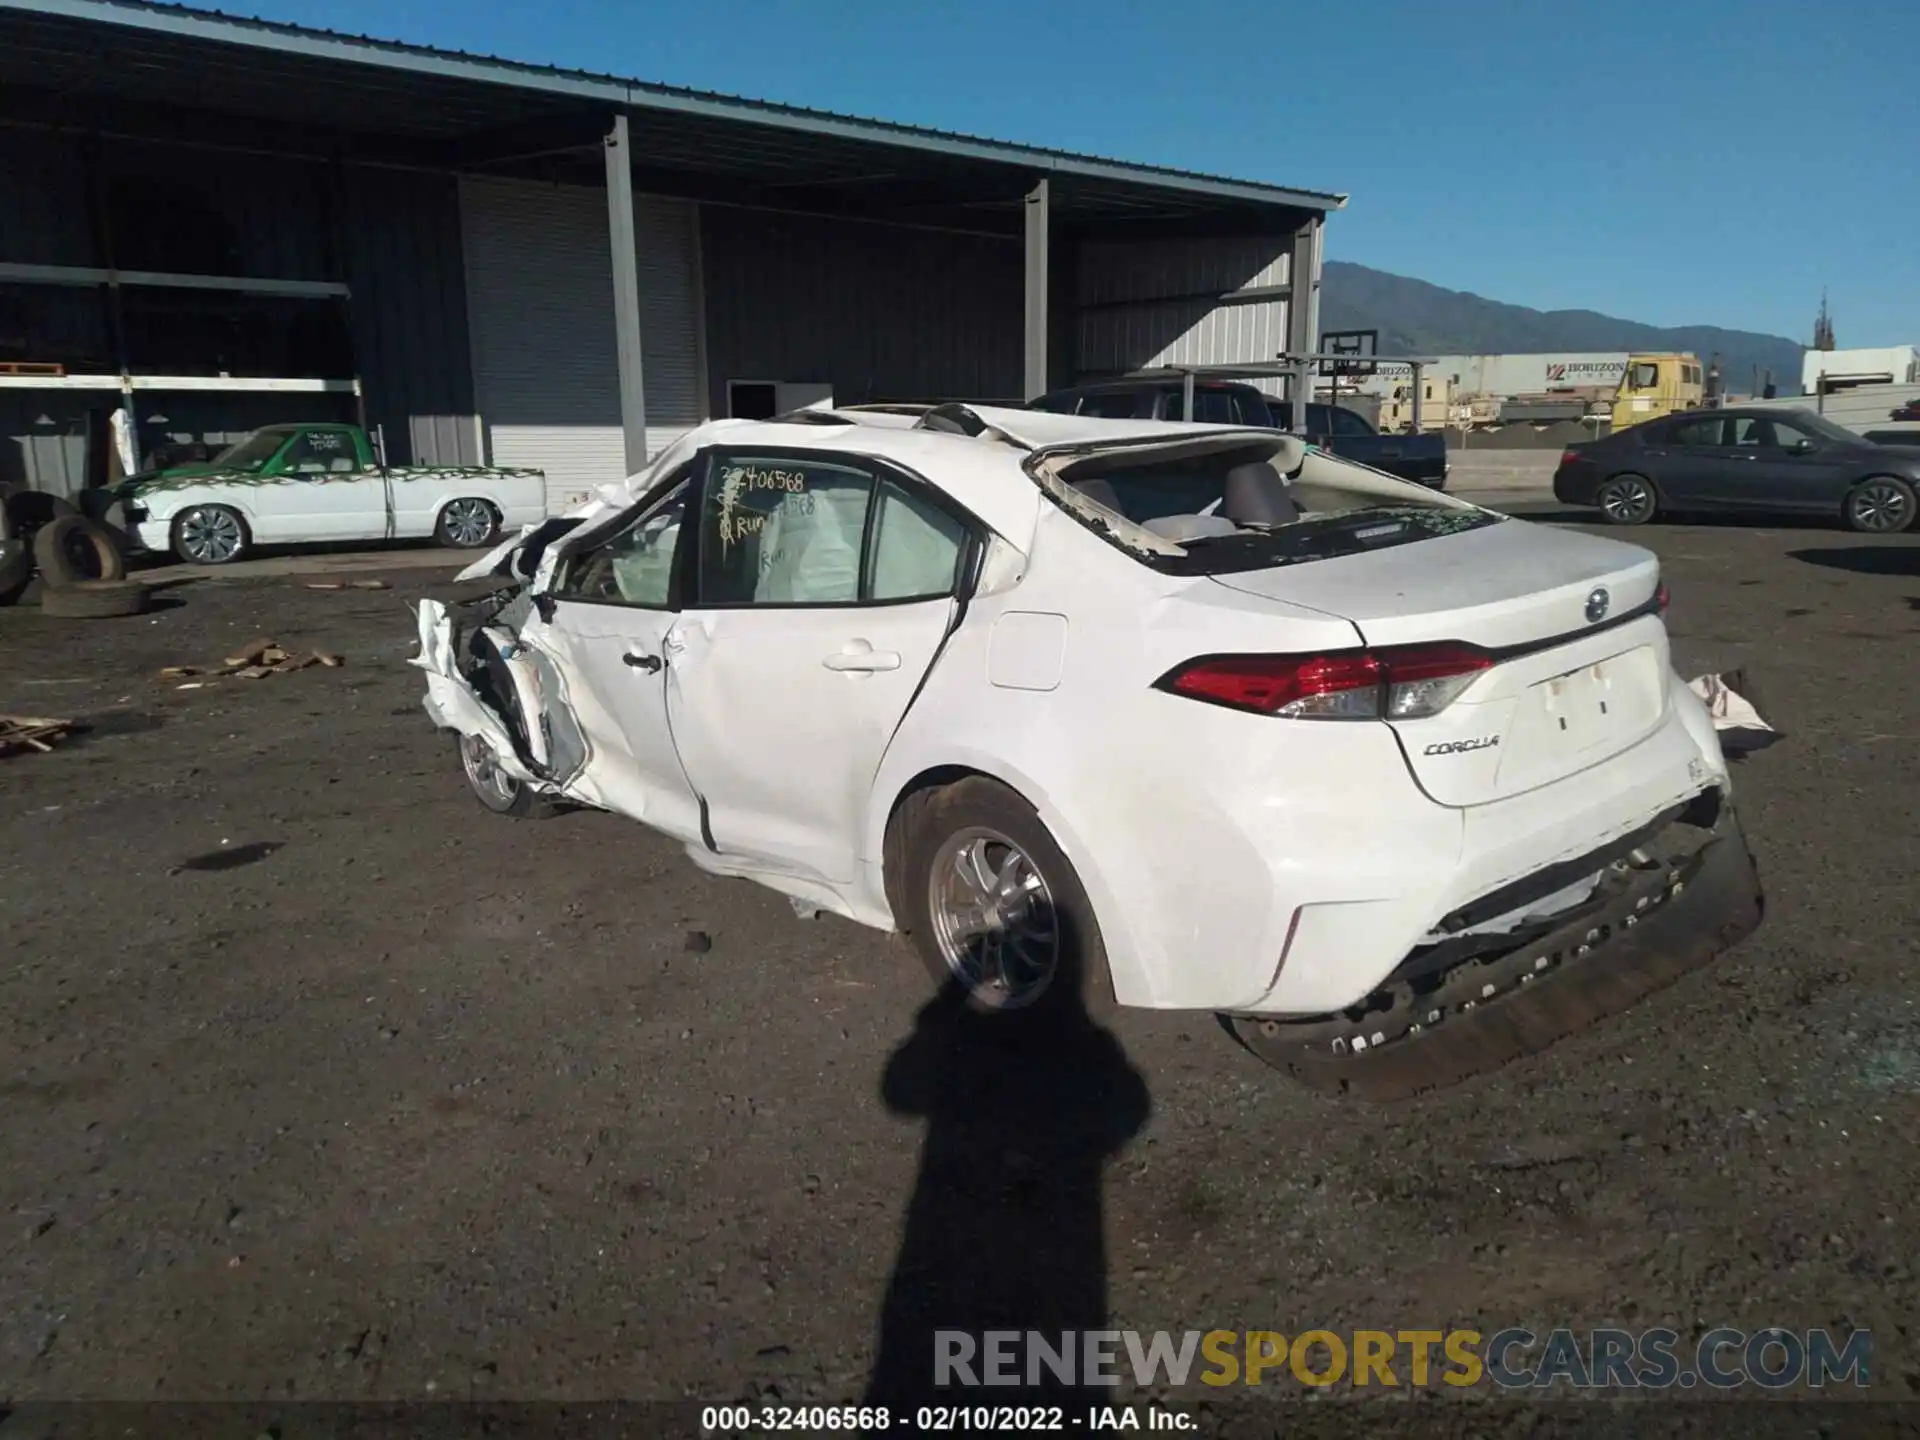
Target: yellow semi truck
{"points": [[1654, 385]]}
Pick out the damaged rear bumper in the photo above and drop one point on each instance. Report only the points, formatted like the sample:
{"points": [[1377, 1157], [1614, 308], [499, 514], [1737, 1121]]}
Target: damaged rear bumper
{"points": [[1687, 895]]}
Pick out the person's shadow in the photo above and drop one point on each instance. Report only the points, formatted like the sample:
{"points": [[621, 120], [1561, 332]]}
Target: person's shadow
{"points": [[1004, 1231]]}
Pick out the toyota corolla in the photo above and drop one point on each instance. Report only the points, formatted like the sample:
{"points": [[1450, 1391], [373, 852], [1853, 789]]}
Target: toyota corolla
{"points": [[1175, 716]]}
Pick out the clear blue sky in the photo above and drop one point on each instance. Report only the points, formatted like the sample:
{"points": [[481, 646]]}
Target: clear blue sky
{"points": [[1686, 162]]}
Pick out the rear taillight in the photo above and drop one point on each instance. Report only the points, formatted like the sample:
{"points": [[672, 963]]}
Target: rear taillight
{"points": [[1661, 598], [1402, 682], [1569, 457]]}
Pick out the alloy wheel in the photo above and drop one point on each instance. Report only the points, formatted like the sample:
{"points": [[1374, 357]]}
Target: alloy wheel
{"points": [[496, 789], [210, 536], [993, 918], [1627, 502], [1880, 506], [468, 522]]}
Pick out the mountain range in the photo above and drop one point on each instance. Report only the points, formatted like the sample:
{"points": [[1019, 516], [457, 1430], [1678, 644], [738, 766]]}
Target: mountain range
{"points": [[1415, 318]]}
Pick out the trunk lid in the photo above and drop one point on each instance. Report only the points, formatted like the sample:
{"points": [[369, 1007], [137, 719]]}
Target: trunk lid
{"points": [[1571, 684]]}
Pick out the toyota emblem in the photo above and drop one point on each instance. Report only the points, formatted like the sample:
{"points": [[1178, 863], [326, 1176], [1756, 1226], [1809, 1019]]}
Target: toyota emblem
{"points": [[1597, 604]]}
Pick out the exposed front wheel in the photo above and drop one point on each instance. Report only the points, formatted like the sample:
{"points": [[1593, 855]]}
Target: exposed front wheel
{"points": [[210, 535], [494, 788], [992, 905], [1628, 500], [467, 524], [1880, 506]]}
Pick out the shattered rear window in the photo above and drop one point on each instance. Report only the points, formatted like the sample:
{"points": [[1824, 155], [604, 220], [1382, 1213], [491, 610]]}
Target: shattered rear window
{"points": [[1326, 536], [1343, 510]]}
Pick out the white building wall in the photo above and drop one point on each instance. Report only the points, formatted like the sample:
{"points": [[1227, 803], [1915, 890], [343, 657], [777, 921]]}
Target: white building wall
{"points": [[1143, 303], [1887, 365], [540, 316]]}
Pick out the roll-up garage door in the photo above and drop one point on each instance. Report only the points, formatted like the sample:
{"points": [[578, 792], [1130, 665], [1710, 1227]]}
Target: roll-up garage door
{"points": [[540, 312]]}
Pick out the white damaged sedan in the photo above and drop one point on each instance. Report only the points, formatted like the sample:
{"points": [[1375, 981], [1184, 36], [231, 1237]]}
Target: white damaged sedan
{"points": [[1175, 716]]}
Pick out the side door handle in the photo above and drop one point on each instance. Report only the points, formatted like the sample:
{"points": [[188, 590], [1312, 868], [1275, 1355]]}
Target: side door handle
{"points": [[649, 663], [861, 658]]}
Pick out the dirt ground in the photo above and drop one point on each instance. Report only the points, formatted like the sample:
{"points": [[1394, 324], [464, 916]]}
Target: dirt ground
{"points": [[319, 1082]]}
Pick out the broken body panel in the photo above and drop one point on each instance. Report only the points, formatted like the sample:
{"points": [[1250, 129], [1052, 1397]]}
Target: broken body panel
{"points": [[1239, 862]]}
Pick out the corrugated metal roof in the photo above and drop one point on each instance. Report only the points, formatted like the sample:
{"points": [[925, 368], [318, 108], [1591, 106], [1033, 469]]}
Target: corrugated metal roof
{"points": [[424, 91]]}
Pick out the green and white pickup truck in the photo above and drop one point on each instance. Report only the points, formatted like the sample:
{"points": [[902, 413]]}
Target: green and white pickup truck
{"points": [[289, 484]]}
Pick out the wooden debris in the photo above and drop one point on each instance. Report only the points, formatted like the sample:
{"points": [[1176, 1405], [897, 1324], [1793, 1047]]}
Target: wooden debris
{"points": [[249, 653], [369, 585], [255, 661], [31, 732], [326, 585]]}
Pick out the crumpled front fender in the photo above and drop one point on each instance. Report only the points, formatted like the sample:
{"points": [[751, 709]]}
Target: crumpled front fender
{"points": [[451, 702]]}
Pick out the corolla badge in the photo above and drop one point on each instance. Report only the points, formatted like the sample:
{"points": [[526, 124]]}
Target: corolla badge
{"points": [[1597, 603]]}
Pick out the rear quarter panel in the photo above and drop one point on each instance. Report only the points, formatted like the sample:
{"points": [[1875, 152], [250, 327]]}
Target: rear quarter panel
{"points": [[1145, 792], [421, 493]]}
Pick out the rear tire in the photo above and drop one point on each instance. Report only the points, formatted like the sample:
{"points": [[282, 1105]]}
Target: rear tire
{"points": [[493, 787], [1880, 505], [71, 548], [1628, 500], [28, 510], [1031, 957], [94, 599], [467, 524]]}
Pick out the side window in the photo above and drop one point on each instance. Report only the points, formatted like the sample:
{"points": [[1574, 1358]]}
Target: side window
{"points": [[635, 567], [1319, 419], [1055, 404], [1750, 432], [1110, 404], [782, 532], [1349, 425], [321, 452], [1643, 376], [1696, 433], [1211, 407], [916, 548]]}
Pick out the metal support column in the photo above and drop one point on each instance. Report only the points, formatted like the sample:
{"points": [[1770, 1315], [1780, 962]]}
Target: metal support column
{"points": [[626, 296], [1038, 229], [1303, 316]]}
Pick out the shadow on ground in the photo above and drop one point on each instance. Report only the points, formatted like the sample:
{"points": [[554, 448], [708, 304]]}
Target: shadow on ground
{"points": [[1903, 560], [1004, 1230]]}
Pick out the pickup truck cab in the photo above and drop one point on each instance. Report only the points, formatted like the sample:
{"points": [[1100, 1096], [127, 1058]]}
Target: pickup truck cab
{"points": [[291, 484], [1339, 431]]}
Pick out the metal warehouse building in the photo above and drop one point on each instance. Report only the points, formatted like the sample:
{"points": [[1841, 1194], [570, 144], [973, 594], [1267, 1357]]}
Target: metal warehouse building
{"points": [[209, 223]]}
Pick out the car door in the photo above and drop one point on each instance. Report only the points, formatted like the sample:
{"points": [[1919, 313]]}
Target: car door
{"points": [[326, 491], [608, 614], [1787, 467], [1689, 463], [823, 587]]}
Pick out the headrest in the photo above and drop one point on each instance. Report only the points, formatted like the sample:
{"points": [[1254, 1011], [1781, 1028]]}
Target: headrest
{"points": [[1257, 495]]}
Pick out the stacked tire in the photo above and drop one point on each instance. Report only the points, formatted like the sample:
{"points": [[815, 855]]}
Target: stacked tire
{"points": [[83, 572]]}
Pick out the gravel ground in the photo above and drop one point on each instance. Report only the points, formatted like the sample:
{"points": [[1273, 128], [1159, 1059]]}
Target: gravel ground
{"points": [[318, 1082]]}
